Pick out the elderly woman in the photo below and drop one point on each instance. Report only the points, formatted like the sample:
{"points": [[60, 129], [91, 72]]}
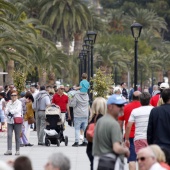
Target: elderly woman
{"points": [[13, 112], [99, 108]]}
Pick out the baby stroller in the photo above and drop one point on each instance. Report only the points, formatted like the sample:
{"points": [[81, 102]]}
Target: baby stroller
{"points": [[54, 127]]}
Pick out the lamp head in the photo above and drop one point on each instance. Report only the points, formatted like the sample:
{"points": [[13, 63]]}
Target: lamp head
{"points": [[136, 29], [92, 35]]}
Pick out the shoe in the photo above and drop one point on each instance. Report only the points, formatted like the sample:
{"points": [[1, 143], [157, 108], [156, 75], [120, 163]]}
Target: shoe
{"points": [[22, 145], [75, 144], [83, 144], [9, 152], [29, 144], [41, 143], [81, 137], [17, 153]]}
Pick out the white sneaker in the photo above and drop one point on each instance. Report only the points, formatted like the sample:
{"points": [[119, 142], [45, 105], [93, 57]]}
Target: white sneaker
{"points": [[81, 137]]}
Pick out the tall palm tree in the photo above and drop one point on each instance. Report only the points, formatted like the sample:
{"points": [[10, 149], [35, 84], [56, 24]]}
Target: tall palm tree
{"points": [[68, 18]]}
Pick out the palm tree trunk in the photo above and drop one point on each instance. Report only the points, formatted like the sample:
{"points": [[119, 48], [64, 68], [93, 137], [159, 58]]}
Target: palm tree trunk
{"points": [[78, 38], [42, 77], [10, 70], [1, 76], [66, 45], [51, 78]]}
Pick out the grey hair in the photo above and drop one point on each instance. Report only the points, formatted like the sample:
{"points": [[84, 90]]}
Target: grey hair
{"points": [[58, 160]]}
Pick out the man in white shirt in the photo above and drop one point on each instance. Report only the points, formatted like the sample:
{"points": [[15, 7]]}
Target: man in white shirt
{"points": [[140, 117], [147, 160]]}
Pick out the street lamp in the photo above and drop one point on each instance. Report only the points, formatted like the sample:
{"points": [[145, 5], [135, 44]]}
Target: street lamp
{"points": [[136, 29], [115, 72], [152, 67], [87, 48], [80, 66], [90, 40]]}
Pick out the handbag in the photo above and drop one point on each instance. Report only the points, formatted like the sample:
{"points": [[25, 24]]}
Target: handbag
{"points": [[110, 161], [90, 130], [18, 120], [31, 120]]}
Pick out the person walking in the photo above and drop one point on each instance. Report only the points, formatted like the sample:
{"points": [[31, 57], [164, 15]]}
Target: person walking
{"points": [[13, 110], [42, 101], [80, 104], [107, 148], [140, 117], [127, 112], [99, 108], [158, 126], [61, 100]]}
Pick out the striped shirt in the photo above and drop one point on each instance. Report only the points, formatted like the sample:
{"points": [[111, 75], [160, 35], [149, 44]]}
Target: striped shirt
{"points": [[140, 117]]}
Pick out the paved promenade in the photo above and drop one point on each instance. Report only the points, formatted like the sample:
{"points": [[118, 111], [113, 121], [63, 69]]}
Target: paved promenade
{"points": [[40, 154]]}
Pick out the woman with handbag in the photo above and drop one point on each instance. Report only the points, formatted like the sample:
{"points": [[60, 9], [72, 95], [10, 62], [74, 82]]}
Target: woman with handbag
{"points": [[13, 112], [99, 108]]}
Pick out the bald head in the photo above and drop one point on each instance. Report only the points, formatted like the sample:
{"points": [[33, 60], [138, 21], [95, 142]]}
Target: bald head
{"points": [[136, 95]]}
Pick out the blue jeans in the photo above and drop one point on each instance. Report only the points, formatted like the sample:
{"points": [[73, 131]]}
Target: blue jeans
{"points": [[80, 122]]}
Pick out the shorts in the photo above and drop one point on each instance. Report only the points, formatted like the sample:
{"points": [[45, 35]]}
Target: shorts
{"points": [[139, 144], [132, 156], [2, 118]]}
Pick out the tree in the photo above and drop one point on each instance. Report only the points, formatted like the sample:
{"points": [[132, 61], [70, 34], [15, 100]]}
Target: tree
{"points": [[68, 18]]}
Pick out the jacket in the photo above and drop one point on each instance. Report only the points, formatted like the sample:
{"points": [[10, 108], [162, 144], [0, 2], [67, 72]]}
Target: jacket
{"points": [[158, 131], [80, 104], [42, 99], [14, 109]]}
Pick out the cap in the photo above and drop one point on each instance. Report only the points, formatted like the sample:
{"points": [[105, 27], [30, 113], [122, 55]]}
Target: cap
{"points": [[164, 86], [116, 99], [159, 83]]}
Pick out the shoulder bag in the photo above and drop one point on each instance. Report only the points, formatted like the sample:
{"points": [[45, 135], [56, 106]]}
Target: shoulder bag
{"points": [[18, 120], [31, 120], [90, 130]]}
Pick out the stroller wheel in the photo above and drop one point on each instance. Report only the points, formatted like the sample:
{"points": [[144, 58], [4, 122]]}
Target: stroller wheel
{"points": [[58, 142], [66, 140], [47, 142]]}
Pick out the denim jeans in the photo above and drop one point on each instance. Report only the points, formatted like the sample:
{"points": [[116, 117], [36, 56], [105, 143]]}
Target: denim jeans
{"points": [[80, 122]]}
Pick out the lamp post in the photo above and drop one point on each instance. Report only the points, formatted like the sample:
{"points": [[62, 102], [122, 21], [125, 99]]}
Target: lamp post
{"points": [[115, 72], [128, 65], [90, 40], [80, 66], [152, 67], [136, 29]]}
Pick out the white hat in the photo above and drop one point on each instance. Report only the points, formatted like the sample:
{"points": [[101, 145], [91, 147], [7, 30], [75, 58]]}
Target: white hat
{"points": [[164, 86]]}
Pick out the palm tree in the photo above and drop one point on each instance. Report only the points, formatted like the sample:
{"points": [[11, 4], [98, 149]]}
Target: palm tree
{"points": [[68, 18]]}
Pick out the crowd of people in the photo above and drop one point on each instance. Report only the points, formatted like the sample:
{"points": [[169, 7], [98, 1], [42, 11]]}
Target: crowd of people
{"points": [[131, 124]]}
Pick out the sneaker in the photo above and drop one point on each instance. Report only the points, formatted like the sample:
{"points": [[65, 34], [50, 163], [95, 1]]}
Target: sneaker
{"points": [[9, 152], [81, 137], [83, 144], [17, 153], [75, 144]]}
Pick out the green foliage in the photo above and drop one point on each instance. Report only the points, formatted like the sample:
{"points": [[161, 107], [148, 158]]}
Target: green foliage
{"points": [[19, 80], [101, 83]]}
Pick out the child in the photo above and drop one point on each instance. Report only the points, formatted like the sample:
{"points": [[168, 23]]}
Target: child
{"points": [[84, 84]]}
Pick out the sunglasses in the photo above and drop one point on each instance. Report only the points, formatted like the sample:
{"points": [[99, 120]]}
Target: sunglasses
{"points": [[119, 105], [62, 88], [13, 95], [141, 159]]}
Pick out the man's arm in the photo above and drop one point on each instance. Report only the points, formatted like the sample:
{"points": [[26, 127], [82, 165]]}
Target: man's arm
{"points": [[119, 149], [150, 128], [127, 133]]}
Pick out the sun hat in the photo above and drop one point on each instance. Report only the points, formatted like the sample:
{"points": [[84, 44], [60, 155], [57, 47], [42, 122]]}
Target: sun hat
{"points": [[116, 99], [164, 86]]}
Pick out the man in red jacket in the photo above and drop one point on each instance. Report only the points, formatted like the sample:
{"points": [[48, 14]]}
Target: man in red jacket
{"points": [[127, 112]]}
